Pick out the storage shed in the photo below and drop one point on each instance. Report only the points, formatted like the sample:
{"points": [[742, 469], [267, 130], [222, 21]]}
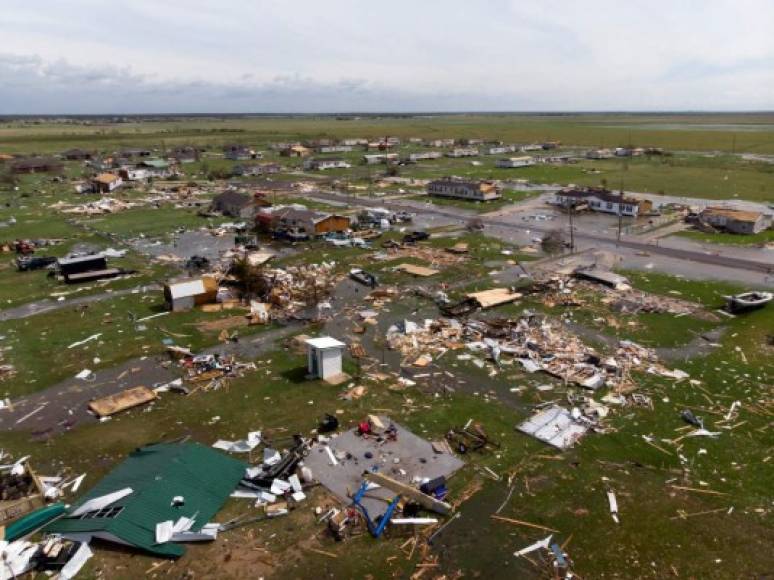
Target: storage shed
{"points": [[325, 357], [189, 293]]}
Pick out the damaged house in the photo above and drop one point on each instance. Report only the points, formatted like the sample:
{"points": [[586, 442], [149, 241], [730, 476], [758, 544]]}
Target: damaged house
{"points": [[303, 222], [185, 154], [77, 154], [296, 151], [106, 182], [735, 221], [156, 487], [323, 164], [462, 189], [602, 200], [234, 204], [146, 169], [36, 165], [237, 152], [513, 162]]}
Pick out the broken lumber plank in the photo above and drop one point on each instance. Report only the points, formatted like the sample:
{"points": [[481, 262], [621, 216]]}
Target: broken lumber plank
{"points": [[523, 523], [118, 402], [697, 490], [427, 502]]}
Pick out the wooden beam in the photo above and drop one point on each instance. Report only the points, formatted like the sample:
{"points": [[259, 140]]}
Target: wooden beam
{"points": [[522, 523], [427, 502]]}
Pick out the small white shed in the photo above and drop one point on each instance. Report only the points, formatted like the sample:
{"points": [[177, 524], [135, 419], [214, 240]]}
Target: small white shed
{"points": [[325, 355]]}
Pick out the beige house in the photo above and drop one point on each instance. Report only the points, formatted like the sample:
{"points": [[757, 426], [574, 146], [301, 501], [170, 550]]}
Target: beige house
{"points": [[736, 221], [461, 189]]}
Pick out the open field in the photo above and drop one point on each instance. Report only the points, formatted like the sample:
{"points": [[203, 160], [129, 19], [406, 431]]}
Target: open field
{"points": [[742, 133]]}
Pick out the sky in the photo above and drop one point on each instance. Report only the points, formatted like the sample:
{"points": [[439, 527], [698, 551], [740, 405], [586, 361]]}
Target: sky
{"points": [[310, 56]]}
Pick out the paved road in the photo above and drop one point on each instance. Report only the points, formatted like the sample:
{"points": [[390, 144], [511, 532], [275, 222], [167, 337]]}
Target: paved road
{"points": [[48, 305], [464, 215], [65, 405]]}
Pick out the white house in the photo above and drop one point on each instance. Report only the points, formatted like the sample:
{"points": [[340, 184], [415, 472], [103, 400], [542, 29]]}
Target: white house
{"points": [[460, 189], [440, 143], [324, 357], [323, 164], [463, 152], [512, 162], [334, 148], [425, 155], [602, 200], [599, 154], [500, 149], [376, 158]]}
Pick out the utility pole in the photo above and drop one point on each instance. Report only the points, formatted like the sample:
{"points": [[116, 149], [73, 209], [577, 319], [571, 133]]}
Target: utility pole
{"points": [[620, 214], [572, 228]]}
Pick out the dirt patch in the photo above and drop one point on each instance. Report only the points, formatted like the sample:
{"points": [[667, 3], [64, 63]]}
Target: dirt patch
{"points": [[223, 324]]}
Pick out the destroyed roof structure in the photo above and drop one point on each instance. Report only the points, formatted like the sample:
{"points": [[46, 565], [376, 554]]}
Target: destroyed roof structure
{"points": [[606, 277], [146, 490]]}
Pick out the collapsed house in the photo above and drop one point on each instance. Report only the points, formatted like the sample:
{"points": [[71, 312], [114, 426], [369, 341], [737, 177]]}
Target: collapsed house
{"points": [[167, 487], [21, 492], [531, 340]]}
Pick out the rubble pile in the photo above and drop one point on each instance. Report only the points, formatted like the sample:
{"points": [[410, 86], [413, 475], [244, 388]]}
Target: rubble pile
{"points": [[298, 287], [434, 256], [277, 482], [101, 206], [205, 371], [532, 340], [566, 291]]}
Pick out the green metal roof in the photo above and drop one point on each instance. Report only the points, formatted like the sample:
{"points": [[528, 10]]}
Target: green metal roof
{"points": [[157, 163], [157, 473]]}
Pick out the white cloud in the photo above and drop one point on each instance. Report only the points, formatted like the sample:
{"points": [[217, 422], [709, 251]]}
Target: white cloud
{"points": [[270, 56]]}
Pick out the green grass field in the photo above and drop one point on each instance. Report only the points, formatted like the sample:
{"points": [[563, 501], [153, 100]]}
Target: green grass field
{"points": [[704, 132], [716, 174], [761, 238]]}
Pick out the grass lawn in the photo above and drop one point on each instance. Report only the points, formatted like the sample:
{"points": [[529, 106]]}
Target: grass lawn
{"points": [[38, 346], [148, 221], [509, 197], [761, 238]]}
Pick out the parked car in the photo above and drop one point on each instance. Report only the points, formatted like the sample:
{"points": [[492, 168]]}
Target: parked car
{"points": [[414, 237]]}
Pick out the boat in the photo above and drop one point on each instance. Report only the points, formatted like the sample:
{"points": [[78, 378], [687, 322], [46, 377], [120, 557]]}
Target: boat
{"points": [[748, 301], [363, 277]]}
